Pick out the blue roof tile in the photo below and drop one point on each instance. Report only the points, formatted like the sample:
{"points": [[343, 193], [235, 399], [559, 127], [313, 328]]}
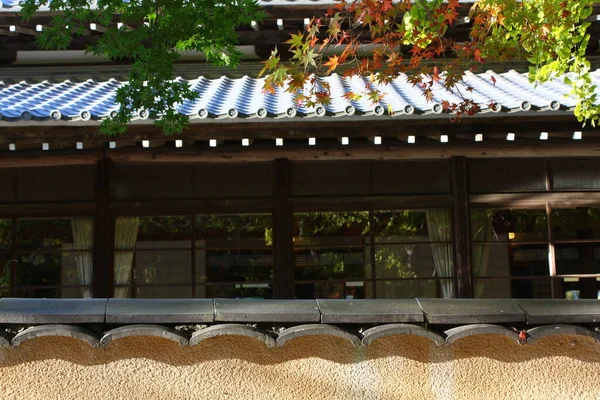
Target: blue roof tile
{"points": [[244, 97]]}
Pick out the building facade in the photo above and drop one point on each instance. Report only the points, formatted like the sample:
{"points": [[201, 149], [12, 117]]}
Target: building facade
{"points": [[369, 206]]}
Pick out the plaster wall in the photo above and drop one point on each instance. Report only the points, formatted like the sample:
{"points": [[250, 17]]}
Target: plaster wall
{"points": [[317, 367]]}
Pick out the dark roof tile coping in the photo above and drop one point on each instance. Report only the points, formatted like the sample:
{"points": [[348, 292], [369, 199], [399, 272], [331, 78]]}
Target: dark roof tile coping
{"points": [[326, 311]]}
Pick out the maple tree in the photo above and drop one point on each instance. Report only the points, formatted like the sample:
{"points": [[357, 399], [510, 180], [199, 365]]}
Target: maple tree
{"points": [[410, 38], [377, 39], [151, 36]]}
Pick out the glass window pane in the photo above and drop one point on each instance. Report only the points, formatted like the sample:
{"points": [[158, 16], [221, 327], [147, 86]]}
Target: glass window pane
{"points": [[39, 269], [331, 263], [412, 226], [348, 228], [577, 288], [48, 293], [55, 234], [241, 231], [59, 269], [414, 261], [234, 266], [158, 232], [162, 267], [577, 258], [536, 288], [333, 290], [163, 292], [505, 260], [508, 225], [576, 224], [407, 289], [239, 291], [6, 228], [6, 263]]}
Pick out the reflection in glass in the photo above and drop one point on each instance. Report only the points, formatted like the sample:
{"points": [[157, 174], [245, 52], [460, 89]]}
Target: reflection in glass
{"points": [[331, 263], [238, 291], [522, 288], [163, 292], [156, 251], [339, 246], [6, 233], [406, 289], [577, 288], [233, 265], [333, 290], [51, 234], [400, 226], [170, 231], [215, 229], [509, 225], [5, 265], [162, 266], [577, 258], [509, 257], [404, 261], [576, 224]]}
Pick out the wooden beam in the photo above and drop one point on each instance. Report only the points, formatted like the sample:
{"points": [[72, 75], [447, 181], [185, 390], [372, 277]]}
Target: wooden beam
{"points": [[462, 238], [298, 151], [6, 32], [98, 27], [535, 199], [43, 210], [102, 278], [283, 267], [23, 30], [352, 203]]}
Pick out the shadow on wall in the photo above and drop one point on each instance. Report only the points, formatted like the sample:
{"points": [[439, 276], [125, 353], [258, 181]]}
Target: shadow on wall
{"points": [[333, 349]]}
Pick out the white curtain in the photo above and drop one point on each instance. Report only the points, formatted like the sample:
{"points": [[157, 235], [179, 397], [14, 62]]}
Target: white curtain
{"points": [[83, 239], [481, 231], [440, 230], [126, 230]]}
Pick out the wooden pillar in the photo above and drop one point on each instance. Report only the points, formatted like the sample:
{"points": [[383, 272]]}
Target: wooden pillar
{"points": [[283, 274], [462, 239], [102, 276]]}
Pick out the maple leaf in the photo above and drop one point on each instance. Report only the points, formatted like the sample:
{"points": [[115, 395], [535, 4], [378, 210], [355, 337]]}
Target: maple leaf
{"points": [[428, 95], [308, 58], [386, 6], [436, 74], [295, 41], [334, 26], [271, 63]]}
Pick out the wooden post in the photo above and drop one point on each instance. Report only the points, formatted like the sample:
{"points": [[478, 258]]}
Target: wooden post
{"points": [[550, 231], [102, 276], [283, 285], [462, 239]]}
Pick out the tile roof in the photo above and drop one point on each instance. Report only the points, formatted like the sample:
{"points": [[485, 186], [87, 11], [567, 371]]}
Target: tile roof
{"points": [[243, 98]]}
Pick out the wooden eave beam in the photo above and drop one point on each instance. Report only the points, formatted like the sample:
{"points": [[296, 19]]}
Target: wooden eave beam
{"points": [[25, 31], [256, 153], [6, 32]]}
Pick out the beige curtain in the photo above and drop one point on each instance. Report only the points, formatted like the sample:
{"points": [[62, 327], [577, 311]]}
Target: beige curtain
{"points": [[440, 230], [481, 231], [126, 230], [83, 239]]}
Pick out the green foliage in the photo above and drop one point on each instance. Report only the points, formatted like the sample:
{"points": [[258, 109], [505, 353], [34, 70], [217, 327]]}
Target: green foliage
{"points": [[152, 37]]}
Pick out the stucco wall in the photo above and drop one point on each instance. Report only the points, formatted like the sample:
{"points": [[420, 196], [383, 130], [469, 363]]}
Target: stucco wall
{"points": [[317, 367]]}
